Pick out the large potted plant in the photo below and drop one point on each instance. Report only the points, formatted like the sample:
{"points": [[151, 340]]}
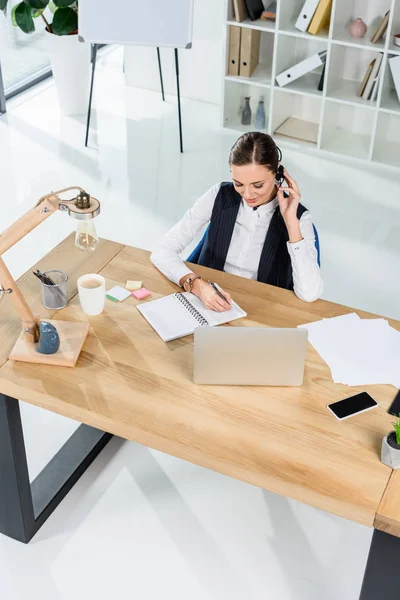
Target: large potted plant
{"points": [[70, 58], [390, 454]]}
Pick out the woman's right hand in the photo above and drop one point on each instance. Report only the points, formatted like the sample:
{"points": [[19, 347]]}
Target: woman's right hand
{"points": [[209, 297]]}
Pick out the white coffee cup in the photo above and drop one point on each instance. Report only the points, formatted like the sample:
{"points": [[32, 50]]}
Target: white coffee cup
{"points": [[92, 293]]}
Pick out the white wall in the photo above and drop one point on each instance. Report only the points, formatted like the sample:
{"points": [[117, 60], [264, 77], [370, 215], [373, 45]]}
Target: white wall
{"points": [[201, 68]]}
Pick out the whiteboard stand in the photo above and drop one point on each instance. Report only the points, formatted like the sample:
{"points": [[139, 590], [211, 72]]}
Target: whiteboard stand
{"points": [[89, 111], [161, 75]]}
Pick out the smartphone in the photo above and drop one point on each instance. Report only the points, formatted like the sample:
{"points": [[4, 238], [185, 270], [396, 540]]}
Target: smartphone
{"points": [[343, 409]]}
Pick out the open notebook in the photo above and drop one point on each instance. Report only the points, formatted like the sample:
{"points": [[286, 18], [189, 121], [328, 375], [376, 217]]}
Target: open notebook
{"points": [[178, 315]]}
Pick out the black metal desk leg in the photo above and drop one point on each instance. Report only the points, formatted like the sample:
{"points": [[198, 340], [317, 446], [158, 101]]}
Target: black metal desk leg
{"points": [[16, 508], [179, 97], [24, 507], [3, 107], [89, 112], [161, 75], [381, 577]]}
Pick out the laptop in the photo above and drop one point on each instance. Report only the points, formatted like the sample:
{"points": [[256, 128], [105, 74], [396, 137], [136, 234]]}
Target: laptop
{"points": [[249, 356]]}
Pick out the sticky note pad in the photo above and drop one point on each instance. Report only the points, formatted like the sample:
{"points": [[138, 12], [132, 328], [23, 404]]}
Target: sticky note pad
{"points": [[117, 293], [142, 293], [133, 285]]}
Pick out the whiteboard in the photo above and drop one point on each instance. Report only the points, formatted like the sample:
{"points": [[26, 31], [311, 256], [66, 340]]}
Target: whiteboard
{"points": [[165, 23]]}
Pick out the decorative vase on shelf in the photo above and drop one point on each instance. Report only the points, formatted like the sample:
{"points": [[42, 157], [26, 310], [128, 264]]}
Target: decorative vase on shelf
{"points": [[357, 28], [246, 112], [260, 116]]}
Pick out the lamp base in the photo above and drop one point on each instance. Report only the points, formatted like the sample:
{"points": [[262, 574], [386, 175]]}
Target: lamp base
{"points": [[72, 337]]}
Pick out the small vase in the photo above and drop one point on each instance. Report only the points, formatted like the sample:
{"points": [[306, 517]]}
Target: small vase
{"points": [[260, 116], [246, 112], [390, 453], [357, 28]]}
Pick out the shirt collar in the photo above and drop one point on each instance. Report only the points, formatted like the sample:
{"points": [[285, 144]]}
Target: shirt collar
{"points": [[264, 209]]}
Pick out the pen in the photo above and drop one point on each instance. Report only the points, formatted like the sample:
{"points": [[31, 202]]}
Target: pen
{"points": [[44, 278], [218, 292]]}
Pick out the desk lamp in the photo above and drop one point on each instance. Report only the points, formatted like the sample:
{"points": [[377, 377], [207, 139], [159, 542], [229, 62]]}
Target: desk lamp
{"points": [[72, 334]]}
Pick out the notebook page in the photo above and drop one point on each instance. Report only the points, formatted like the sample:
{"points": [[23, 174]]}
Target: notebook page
{"points": [[168, 317], [213, 317]]}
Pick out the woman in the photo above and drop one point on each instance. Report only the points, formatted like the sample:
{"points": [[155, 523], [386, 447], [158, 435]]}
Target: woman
{"points": [[258, 229]]}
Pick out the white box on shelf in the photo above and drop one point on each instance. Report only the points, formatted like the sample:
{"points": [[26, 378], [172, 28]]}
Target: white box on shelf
{"points": [[301, 68], [306, 14]]}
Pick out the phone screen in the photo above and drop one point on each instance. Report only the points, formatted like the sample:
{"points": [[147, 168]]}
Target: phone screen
{"points": [[353, 405]]}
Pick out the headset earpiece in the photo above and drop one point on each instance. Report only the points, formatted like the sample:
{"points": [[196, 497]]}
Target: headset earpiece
{"points": [[279, 177]]}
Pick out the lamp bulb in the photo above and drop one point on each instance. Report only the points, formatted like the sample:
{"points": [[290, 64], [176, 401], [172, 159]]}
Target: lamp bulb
{"points": [[86, 238]]}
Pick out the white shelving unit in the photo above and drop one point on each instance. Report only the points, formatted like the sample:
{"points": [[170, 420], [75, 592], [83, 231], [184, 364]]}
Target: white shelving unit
{"points": [[348, 126]]}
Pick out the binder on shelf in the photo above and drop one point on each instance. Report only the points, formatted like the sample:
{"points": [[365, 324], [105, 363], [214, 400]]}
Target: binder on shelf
{"points": [[365, 79], [374, 91], [380, 32], [249, 51], [394, 63], [322, 78], [235, 34], [373, 77], [321, 17], [240, 10], [301, 68], [307, 13]]}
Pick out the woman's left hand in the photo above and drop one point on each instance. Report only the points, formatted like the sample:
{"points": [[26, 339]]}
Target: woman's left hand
{"points": [[288, 206]]}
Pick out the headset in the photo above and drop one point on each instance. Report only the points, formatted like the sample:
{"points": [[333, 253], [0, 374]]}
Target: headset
{"points": [[279, 176]]}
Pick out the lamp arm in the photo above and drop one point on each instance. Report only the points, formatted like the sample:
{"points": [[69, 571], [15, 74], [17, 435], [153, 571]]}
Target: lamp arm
{"points": [[46, 206], [29, 322]]}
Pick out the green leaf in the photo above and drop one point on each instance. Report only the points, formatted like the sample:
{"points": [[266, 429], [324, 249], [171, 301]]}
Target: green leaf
{"points": [[13, 19], [65, 21], [52, 6], [63, 3], [38, 4], [3, 5], [23, 18]]}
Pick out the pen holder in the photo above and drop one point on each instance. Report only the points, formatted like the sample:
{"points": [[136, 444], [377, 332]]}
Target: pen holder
{"points": [[55, 297]]}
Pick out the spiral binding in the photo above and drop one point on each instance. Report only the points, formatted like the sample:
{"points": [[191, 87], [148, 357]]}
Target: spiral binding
{"points": [[191, 309]]}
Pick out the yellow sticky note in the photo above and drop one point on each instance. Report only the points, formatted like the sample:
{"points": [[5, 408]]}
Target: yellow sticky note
{"points": [[133, 285]]}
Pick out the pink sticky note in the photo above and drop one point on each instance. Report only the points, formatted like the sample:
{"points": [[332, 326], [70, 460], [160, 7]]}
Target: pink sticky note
{"points": [[142, 293]]}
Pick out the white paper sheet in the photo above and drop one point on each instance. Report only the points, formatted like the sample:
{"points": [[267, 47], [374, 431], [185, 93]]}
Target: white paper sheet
{"points": [[358, 351]]}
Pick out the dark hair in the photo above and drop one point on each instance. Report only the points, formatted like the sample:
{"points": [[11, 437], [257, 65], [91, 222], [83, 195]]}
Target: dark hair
{"points": [[255, 148]]}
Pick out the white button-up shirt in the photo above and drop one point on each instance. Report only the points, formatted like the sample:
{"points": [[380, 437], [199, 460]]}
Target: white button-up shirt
{"points": [[246, 245]]}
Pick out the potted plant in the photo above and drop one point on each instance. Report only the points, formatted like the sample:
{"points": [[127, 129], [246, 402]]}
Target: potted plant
{"points": [[390, 454], [70, 58]]}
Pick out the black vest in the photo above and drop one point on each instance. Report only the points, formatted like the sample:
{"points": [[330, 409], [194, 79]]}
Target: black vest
{"points": [[274, 267]]}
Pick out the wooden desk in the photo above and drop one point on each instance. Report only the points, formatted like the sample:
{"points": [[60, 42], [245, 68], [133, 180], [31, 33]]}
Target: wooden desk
{"points": [[129, 383]]}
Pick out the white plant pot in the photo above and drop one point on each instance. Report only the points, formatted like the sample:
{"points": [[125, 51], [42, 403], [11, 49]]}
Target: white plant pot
{"points": [[390, 455], [70, 62]]}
